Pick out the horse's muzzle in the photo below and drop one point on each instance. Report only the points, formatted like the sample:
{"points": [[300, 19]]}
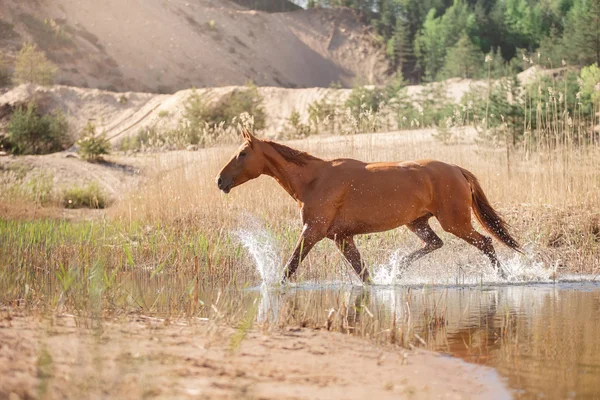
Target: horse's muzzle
{"points": [[224, 184]]}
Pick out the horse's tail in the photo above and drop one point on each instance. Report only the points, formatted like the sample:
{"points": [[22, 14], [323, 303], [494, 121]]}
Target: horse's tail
{"points": [[487, 216]]}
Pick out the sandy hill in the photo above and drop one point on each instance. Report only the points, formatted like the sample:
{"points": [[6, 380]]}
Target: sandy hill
{"points": [[165, 46], [124, 114]]}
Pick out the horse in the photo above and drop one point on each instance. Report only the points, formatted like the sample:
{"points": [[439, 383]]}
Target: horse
{"points": [[342, 198]]}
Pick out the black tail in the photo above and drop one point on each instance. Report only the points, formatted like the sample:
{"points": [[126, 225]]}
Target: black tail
{"points": [[487, 216]]}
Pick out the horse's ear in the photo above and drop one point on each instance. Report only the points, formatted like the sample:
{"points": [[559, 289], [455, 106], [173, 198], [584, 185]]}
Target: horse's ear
{"points": [[247, 136]]}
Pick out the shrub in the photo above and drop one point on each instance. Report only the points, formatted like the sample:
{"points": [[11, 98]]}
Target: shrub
{"points": [[246, 100], [30, 133], [321, 111], [32, 66], [195, 112], [90, 146], [89, 196], [297, 129], [364, 99]]}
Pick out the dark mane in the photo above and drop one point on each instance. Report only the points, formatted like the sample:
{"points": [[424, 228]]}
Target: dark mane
{"points": [[292, 155]]}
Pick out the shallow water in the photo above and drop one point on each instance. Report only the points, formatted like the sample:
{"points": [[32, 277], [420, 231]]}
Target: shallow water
{"points": [[543, 339], [540, 330]]}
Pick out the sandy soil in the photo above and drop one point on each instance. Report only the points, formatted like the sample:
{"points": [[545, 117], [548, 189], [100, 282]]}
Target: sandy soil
{"points": [[165, 46], [116, 177], [145, 357]]}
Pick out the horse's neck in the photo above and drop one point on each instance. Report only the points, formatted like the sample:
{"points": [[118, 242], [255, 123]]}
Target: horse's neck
{"points": [[292, 177]]}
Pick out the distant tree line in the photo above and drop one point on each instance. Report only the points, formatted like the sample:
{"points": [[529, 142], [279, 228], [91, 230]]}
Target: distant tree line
{"points": [[429, 40]]}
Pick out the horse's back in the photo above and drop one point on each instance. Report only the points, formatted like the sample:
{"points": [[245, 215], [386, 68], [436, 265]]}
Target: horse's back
{"points": [[384, 195]]}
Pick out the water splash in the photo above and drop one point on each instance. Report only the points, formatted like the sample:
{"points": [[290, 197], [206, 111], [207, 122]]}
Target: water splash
{"points": [[389, 273], [263, 248], [519, 268], [268, 308]]}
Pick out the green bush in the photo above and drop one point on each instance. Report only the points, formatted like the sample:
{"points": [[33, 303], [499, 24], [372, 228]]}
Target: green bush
{"points": [[90, 146], [89, 196], [296, 129], [31, 133], [321, 111], [363, 99], [196, 112], [229, 108]]}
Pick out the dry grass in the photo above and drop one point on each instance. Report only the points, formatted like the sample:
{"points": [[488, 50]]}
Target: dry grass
{"points": [[551, 199], [140, 255]]}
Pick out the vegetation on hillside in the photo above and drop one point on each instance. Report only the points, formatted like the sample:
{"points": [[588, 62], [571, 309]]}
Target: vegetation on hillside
{"points": [[30, 132], [32, 66], [433, 39], [203, 122]]}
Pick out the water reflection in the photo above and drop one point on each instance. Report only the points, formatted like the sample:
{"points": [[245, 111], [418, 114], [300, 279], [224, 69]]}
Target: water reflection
{"points": [[545, 339]]}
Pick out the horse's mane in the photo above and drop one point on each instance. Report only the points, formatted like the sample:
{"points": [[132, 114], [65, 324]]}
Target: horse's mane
{"points": [[291, 155]]}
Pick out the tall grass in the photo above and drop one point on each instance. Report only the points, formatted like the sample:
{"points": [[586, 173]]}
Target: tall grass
{"points": [[179, 215], [543, 174]]}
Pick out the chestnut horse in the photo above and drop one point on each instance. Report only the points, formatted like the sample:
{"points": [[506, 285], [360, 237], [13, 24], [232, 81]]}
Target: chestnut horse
{"points": [[342, 198]]}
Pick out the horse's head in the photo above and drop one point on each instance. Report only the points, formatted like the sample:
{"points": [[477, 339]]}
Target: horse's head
{"points": [[247, 163]]}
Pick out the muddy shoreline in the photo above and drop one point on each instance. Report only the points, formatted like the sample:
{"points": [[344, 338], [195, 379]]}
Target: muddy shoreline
{"points": [[138, 356]]}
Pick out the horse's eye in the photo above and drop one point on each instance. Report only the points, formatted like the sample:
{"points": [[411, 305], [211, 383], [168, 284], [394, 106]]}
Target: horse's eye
{"points": [[243, 154]]}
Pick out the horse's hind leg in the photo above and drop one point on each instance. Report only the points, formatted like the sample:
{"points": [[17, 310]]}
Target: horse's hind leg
{"points": [[348, 248], [432, 241], [464, 229]]}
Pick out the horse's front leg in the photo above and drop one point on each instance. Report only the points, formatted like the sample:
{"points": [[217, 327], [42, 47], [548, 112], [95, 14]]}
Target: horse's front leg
{"points": [[308, 238], [350, 252]]}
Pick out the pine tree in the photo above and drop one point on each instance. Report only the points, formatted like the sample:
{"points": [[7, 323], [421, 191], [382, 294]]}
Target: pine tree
{"points": [[581, 39], [398, 46], [429, 47], [464, 59]]}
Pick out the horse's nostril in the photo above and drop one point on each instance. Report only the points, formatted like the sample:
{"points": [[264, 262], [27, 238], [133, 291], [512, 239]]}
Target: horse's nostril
{"points": [[219, 181]]}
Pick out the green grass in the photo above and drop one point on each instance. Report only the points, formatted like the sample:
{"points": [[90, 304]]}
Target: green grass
{"points": [[121, 266], [88, 196]]}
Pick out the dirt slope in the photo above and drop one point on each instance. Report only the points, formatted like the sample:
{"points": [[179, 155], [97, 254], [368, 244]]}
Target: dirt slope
{"points": [[164, 46]]}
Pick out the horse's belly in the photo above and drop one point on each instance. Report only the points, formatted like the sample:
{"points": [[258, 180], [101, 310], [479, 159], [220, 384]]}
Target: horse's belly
{"points": [[361, 220]]}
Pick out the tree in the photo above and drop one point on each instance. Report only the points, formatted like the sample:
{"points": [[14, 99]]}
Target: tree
{"points": [[522, 24], [398, 46], [504, 112], [464, 59], [581, 39], [32, 66], [429, 47]]}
